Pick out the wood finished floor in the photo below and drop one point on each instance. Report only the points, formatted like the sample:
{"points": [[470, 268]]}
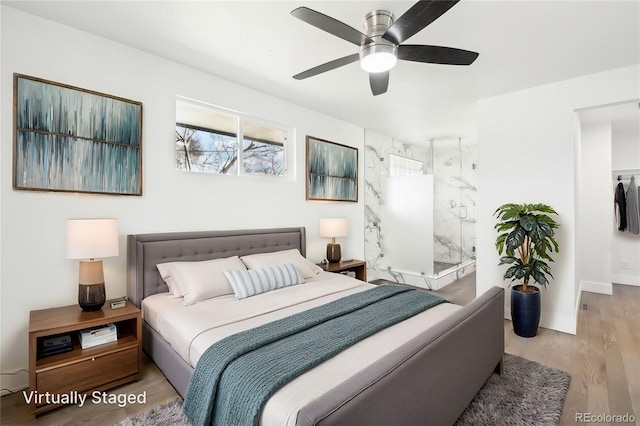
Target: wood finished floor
{"points": [[603, 360]]}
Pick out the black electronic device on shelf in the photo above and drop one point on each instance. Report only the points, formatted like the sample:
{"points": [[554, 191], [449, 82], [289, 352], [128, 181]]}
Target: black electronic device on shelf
{"points": [[54, 345]]}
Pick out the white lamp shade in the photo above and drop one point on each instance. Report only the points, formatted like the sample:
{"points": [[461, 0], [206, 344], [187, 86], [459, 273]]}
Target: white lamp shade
{"points": [[92, 238], [334, 227]]}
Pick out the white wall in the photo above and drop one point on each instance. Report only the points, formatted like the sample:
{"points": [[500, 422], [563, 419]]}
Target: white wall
{"points": [[594, 204], [35, 273], [526, 153]]}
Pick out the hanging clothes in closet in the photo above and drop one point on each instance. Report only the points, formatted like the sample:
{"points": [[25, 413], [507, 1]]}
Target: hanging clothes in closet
{"points": [[620, 204], [633, 214]]}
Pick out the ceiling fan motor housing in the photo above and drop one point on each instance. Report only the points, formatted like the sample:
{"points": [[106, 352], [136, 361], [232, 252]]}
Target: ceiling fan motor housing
{"points": [[376, 24]]}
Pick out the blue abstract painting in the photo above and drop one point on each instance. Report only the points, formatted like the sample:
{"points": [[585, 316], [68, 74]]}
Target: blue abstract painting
{"points": [[75, 140], [332, 171]]}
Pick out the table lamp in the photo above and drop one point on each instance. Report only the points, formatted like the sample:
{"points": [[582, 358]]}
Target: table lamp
{"points": [[90, 240], [333, 227]]}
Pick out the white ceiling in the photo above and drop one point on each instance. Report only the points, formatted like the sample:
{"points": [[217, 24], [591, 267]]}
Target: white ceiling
{"points": [[258, 44]]}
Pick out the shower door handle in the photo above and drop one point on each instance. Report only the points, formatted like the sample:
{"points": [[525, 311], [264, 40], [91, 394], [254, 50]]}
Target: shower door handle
{"points": [[462, 212]]}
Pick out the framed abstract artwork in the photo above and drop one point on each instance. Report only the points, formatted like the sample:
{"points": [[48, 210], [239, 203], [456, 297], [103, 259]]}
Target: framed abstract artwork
{"points": [[75, 140], [332, 171]]}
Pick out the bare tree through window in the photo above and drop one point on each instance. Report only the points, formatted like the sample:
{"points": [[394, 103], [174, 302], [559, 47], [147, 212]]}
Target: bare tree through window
{"points": [[211, 152], [208, 141]]}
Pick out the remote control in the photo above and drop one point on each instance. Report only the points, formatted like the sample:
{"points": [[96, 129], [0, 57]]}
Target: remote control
{"points": [[118, 304]]}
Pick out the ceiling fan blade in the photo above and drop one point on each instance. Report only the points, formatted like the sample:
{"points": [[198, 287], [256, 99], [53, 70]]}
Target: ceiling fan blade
{"points": [[436, 54], [415, 19], [327, 66], [379, 82], [331, 25]]}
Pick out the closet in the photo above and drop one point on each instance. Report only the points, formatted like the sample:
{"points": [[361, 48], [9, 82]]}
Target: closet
{"points": [[607, 233], [626, 204]]}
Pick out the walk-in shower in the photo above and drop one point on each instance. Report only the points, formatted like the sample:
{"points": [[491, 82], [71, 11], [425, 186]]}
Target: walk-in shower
{"points": [[419, 210]]}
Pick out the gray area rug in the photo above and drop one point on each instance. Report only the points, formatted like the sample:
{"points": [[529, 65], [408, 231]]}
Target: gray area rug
{"points": [[527, 394]]}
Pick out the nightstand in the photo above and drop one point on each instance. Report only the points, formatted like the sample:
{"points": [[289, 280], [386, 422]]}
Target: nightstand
{"points": [[357, 266], [83, 370]]}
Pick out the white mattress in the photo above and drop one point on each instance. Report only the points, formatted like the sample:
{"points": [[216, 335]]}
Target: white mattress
{"points": [[192, 329]]}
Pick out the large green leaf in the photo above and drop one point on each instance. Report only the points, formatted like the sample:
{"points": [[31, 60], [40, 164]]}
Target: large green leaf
{"points": [[539, 278], [516, 237], [504, 260], [545, 227], [508, 211], [547, 219], [541, 208], [537, 233], [542, 248], [543, 267], [504, 226], [500, 242], [528, 222]]}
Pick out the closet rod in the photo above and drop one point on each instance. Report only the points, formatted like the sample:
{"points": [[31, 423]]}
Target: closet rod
{"points": [[625, 174]]}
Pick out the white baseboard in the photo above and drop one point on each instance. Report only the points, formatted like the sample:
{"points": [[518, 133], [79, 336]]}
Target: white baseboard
{"points": [[591, 287], [564, 324], [14, 383], [594, 287], [626, 279]]}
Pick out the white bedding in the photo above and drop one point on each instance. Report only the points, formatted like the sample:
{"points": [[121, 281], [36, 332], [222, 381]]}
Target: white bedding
{"points": [[192, 329]]}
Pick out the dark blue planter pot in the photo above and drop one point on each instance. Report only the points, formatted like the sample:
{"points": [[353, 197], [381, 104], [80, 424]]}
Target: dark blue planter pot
{"points": [[525, 311]]}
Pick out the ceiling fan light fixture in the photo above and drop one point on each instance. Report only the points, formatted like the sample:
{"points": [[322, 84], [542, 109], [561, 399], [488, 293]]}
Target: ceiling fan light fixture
{"points": [[378, 57]]}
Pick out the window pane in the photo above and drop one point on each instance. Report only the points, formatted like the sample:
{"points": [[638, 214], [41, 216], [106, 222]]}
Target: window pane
{"points": [[205, 151], [263, 150], [402, 166], [206, 140]]}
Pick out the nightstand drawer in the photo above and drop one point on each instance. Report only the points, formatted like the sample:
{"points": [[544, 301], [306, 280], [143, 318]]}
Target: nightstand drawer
{"points": [[90, 373]]}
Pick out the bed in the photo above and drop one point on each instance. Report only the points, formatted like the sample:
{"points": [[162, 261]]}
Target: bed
{"points": [[428, 377]]}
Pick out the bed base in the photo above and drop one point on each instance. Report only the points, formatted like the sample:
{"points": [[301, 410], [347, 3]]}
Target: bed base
{"points": [[429, 380], [174, 368]]}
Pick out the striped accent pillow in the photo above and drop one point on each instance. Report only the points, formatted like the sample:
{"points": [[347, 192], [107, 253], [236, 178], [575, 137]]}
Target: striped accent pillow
{"points": [[255, 281]]}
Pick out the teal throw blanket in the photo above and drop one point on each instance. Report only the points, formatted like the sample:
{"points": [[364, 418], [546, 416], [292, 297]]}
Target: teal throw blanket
{"points": [[235, 377]]}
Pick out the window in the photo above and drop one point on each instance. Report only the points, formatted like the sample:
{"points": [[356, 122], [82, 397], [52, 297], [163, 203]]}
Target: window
{"points": [[402, 166], [208, 141]]}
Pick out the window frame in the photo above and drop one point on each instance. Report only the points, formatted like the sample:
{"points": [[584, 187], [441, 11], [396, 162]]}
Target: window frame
{"points": [[241, 119]]}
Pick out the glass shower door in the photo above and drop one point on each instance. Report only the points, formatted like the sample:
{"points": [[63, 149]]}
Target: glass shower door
{"points": [[468, 202], [448, 206]]}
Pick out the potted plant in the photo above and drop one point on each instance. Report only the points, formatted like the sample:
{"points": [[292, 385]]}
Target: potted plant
{"points": [[525, 237]]}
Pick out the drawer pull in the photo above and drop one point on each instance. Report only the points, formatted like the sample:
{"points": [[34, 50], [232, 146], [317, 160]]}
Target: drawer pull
{"points": [[93, 359]]}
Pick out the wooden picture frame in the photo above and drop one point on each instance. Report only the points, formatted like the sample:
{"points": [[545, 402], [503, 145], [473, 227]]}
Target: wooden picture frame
{"points": [[332, 171], [68, 139]]}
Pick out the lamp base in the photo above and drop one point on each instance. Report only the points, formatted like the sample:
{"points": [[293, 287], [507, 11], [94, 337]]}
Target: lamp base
{"points": [[334, 253], [91, 297]]}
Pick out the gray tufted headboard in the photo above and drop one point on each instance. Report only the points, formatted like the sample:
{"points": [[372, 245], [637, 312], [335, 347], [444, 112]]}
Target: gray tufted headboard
{"points": [[144, 251]]}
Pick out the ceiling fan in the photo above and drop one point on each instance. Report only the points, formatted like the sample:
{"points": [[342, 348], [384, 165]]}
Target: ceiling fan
{"points": [[380, 45]]}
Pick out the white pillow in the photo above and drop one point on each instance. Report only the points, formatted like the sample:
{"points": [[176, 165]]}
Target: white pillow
{"points": [[256, 281], [305, 267], [165, 273], [199, 281]]}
